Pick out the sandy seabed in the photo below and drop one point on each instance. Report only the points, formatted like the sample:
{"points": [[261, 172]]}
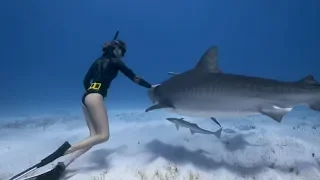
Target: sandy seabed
{"points": [[145, 146]]}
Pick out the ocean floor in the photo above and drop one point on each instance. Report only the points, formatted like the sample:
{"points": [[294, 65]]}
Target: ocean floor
{"points": [[145, 146]]}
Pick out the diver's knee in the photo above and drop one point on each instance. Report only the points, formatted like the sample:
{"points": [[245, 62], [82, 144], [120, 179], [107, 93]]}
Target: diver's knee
{"points": [[104, 137]]}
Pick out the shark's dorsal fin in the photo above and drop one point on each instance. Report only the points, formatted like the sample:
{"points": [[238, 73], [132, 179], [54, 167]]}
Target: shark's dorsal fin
{"points": [[209, 61], [309, 80]]}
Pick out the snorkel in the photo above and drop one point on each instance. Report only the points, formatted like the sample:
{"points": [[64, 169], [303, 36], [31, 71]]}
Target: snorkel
{"points": [[106, 48], [116, 35], [109, 47]]}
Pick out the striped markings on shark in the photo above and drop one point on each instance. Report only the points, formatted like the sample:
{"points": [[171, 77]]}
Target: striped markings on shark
{"points": [[206, 91], [194, 128]]}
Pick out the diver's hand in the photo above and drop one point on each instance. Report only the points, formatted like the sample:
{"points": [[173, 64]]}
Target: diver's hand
{"points": [[155, 85]]}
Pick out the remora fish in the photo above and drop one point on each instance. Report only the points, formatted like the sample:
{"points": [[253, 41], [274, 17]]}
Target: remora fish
{"points": [[172, 73], [194, 128], [205, 91]]}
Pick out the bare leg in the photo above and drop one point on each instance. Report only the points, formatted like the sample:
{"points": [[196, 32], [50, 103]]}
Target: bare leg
{"points": [[75, 156], [95, 105], [89, 120], [93, 131]]}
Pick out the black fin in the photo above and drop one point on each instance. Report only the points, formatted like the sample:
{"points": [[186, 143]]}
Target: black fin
{"points": [[54, 174]]}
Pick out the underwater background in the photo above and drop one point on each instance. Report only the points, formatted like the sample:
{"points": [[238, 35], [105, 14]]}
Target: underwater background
{"points": [[47, 46]]}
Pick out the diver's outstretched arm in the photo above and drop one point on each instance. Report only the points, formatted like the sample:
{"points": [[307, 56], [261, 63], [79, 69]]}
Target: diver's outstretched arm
{"points": [[131, 75]]}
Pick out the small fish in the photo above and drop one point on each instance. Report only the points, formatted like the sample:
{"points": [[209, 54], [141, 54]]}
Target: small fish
{"points": [[194, 128]]}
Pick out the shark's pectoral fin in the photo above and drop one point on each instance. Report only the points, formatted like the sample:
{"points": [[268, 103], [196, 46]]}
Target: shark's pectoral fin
{"points": [[157, 106], [274, 112], [215, 120], [177, 126]]}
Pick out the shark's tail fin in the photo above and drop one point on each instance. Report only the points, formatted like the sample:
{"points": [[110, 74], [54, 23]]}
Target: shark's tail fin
{"points": [[218, 133]]}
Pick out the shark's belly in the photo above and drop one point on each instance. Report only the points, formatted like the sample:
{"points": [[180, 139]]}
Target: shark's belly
{"points": [[211, 98], [217, 107], [215, 113]]}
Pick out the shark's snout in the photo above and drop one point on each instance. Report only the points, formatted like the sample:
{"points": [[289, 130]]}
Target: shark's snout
{"points": [[152, 95]]}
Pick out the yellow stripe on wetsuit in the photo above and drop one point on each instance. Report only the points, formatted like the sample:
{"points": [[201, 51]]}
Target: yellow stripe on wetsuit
{"points": [[95, 86]]}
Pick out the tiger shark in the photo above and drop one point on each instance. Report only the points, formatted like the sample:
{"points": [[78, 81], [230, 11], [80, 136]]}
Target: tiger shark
{"points": [[206, 91]]}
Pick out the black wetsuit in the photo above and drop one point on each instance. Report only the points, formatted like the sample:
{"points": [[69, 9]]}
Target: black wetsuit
{"points": [[103, 71]]}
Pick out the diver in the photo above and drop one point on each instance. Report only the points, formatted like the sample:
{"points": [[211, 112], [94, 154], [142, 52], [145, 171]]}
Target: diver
{"points": [[96, 83]]}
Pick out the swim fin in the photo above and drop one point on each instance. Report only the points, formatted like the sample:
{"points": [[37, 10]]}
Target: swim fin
{"points": [[53, 174], [55, 155]]}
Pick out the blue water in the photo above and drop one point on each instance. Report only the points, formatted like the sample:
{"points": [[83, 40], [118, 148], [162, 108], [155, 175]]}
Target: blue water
{"points": [[46, 47]]}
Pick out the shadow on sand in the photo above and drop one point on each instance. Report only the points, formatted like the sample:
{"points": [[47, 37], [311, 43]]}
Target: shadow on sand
{"points": [[237, 142], [98, 159], [180, 155]]}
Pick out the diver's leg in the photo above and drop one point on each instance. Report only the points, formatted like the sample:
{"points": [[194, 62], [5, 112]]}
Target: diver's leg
{"points": [[75, 156], [95, 105], [93, 132], [89, 120]]}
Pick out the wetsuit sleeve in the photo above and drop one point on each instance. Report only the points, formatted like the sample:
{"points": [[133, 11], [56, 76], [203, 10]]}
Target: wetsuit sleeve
{"points": [[131, 75], [88, 76]]}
